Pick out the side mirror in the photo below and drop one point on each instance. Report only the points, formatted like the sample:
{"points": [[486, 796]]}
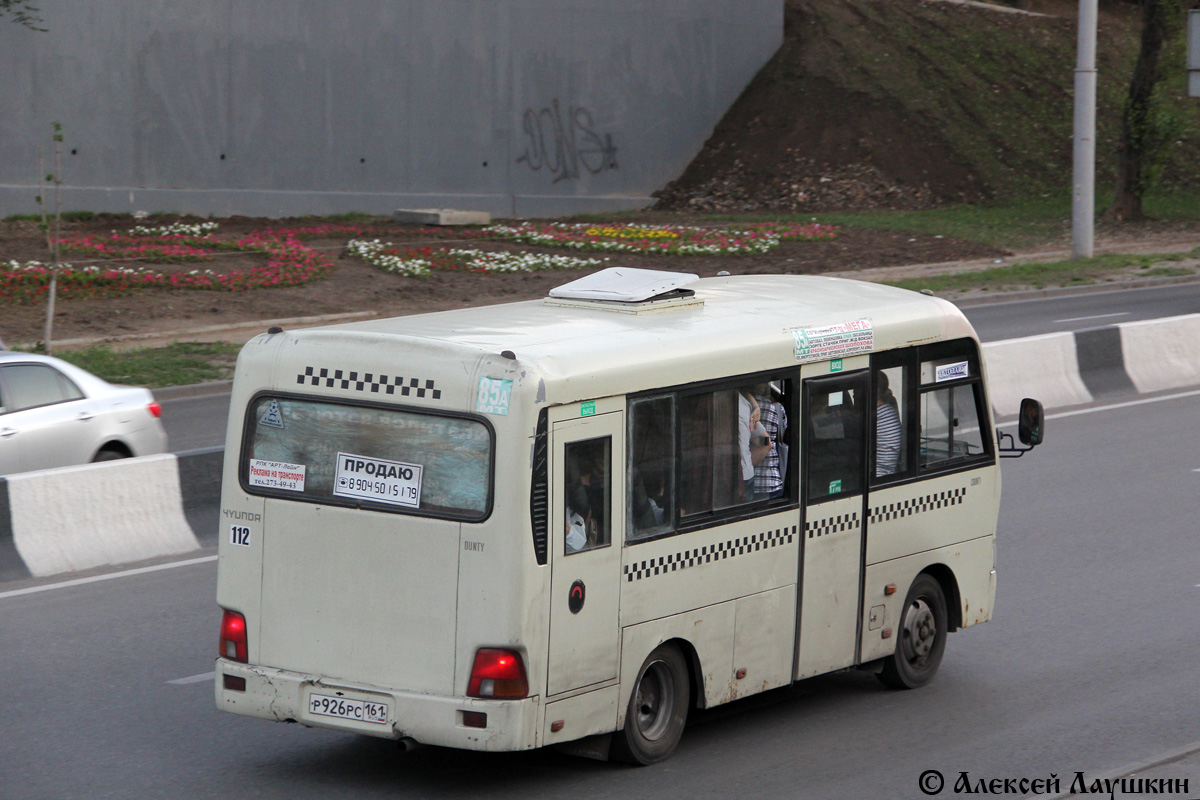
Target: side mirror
{"points": [[1029, 426]]}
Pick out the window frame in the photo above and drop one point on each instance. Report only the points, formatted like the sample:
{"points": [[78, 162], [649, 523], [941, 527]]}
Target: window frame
{"points": [[701, 520], [910, 359], [867, 439], [607, 491], [248, 423]]}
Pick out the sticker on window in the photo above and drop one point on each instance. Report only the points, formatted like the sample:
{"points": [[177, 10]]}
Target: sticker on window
{"points": [[366, 478], [277, 475], [493, 396], [830, 341], [951, 372], [271, 417]]}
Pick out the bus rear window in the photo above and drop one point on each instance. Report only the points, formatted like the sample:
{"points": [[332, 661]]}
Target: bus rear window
{"points": [[367, 456]]}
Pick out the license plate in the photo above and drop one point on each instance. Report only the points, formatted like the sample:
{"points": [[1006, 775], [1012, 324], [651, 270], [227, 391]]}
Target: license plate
{"points": [[325, 705]]}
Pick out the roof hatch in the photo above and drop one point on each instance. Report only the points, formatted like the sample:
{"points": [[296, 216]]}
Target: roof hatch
{"points": [[627, 289]]}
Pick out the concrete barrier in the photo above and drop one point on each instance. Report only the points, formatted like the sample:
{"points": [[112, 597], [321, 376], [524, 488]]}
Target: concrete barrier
{"points": [[94, 515], [77, 518], [1071, 368], [1043, 367], [1162, 353]]}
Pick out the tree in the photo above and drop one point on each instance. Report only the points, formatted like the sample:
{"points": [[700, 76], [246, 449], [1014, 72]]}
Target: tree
{"points": [[21, 13], [1146, 126]]}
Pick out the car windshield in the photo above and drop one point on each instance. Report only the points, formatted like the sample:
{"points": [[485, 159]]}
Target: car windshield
{"points": [[374, 457]]}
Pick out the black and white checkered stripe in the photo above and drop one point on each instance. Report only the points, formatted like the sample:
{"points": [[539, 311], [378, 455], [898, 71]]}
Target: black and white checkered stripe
{"points": [[917, 505], [709, 553], [369, 382], [817, 528]]}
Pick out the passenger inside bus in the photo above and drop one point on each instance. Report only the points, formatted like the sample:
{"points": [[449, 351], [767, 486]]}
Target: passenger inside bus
{"points": [[888, 430], [769, 470], [587, 494]]}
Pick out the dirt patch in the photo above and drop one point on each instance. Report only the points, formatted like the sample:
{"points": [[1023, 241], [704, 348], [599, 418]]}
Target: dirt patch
{"points": [[875, 103]]}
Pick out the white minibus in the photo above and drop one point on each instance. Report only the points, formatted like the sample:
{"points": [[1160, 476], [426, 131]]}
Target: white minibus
{"points": [[572, 520]]}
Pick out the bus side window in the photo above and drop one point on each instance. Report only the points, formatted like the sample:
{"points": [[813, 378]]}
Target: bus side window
{"points": [[949, 425], [588, 466], [951, 399], [651, 467]]}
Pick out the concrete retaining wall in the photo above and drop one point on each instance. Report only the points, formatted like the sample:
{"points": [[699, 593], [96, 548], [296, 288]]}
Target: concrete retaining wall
{"points": [[78, 518], [288, 107]]}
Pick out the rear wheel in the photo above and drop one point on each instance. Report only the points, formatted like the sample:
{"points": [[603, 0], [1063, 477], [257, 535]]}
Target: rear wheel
{"points": [[922, 639], [657, 709], [109, 454]]}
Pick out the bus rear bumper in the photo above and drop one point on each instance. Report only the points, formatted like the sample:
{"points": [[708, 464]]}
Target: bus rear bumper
{"points": [[283, 696]]}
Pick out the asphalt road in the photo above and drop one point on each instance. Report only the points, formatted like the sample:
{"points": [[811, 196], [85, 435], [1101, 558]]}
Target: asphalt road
{"points": [[196, 422], [1089, 664], [1013, 320]]}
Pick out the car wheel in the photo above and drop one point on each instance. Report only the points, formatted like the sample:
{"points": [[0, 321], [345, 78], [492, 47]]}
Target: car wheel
{"points": [[657, 710], [922, 641], [109, 454]]}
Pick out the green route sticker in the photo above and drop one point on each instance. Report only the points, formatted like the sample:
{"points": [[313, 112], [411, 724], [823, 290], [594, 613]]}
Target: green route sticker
{"points": [[494, 395], [587, 409], [835, 365], [835, 487]]}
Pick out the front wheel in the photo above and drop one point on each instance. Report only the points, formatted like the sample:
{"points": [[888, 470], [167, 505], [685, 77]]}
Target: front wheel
{"points": [[657, 709], [922, 641]]}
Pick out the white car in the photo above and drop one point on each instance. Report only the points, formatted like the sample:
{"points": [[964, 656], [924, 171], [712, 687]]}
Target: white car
{"points": [[53, 414]]}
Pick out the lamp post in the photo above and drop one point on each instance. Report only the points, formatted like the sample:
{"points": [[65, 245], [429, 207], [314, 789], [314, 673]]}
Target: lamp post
{"points": [[1083, 203]]}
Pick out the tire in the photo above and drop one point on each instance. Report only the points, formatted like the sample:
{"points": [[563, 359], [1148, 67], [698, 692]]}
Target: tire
{"points": [[922, 637], [109, 455], [657, 711]]}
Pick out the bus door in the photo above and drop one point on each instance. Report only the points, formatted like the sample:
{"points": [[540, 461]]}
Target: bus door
{"points": [[833, 482], [587, 526]]}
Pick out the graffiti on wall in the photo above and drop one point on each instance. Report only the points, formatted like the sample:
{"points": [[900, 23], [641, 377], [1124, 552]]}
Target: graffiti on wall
{"points": [[562, 142]]}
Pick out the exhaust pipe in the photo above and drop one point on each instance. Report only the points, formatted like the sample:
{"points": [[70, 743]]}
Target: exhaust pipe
{"points": [[407, 744]]}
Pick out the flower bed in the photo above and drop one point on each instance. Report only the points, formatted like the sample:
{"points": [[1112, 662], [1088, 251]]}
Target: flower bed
{"points": [[663, 239], [288, 263], [420, 261], [795, 231], [335, 231]]}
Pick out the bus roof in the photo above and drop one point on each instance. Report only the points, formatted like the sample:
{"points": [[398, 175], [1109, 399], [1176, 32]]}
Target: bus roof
{"points": [[732, 325]]}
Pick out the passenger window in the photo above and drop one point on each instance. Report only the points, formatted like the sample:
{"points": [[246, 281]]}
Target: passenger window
{"points": [[33, 385], [950, 406], [651, 466], [950, 425], [731, 445], [715, 434], [835, 443], [588, 466]]}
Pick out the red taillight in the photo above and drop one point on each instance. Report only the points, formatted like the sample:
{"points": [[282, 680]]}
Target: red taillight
{"points": [[233, 637], [497, 673], [155, 409]]}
